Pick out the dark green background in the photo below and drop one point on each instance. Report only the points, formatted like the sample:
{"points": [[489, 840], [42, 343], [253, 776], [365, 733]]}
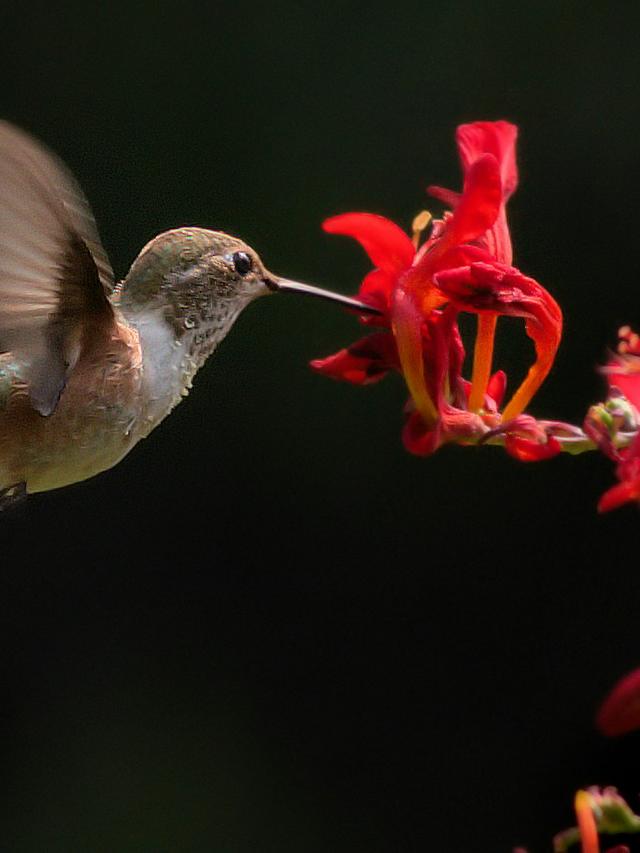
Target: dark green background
{"points": [[269, 628]]}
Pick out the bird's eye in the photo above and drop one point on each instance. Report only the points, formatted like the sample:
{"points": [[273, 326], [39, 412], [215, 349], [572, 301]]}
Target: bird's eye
{"points": [[242, 263]]}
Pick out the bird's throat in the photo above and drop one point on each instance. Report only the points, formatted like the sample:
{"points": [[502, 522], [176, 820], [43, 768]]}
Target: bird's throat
{"points": [[172, 353]]}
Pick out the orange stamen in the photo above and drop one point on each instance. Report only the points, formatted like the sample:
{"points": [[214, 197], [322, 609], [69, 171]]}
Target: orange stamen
{"points": [[406, 325], [419, 224], [586, 823], [482, 359]]}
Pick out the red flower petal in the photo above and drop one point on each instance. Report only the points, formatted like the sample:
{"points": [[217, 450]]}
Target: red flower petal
{"points": [[498, 239], [624, 374], [497, 386], [526, 450], [621, 494], [497, 138], [628, 472], [364, 362], [417, 438], [490, 137], [448, 197], [479, 205], [497, 288], [620, 711], [385, 243], [376, 289]]}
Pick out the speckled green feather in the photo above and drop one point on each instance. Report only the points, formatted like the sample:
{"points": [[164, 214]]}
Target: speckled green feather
{"points": [[175, 254]]}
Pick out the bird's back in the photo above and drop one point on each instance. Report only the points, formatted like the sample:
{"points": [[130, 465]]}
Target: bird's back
{"points": [[97, 421]]}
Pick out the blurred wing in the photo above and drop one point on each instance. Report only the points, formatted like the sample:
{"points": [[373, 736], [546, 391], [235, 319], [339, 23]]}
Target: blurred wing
{"points": [[54, 273]]}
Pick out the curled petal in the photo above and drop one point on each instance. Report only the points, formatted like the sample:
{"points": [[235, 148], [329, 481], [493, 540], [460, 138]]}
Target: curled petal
{"points": [[620, 711], [418, 439], [386, 244], [496, 138], [489, 287], [623, 493], [490, 137], [364, 362], [526, 450], [430, 260], [530, 440], [497, 288]]}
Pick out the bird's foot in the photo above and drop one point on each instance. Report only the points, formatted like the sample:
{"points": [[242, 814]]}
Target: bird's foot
{"points": [[12, 496]]}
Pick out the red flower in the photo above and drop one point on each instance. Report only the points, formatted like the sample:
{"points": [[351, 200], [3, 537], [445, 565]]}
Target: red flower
{"points": [[620, 711], [628, 472], [463, 266], [623, 375], [623, 371], [600, 811]]}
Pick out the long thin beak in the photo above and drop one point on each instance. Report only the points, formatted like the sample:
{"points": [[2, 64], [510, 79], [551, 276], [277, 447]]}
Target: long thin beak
{"points": [[285, 285]]}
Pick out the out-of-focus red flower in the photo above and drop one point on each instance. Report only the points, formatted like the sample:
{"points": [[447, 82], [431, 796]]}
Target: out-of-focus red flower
{"points": [[586, 822], [623, 370], [623, 376], [600, 811], [620, 711], [628, 472], [464, 266]]}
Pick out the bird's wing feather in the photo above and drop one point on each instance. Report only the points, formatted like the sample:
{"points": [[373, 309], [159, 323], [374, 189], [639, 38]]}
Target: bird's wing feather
{"points": [[54, 273]]}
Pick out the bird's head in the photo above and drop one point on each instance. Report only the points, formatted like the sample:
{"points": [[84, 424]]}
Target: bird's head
{"points": [[200, 276]]}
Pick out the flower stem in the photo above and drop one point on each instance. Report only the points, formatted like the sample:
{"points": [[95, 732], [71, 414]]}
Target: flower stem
{"points": [[572, 444]]}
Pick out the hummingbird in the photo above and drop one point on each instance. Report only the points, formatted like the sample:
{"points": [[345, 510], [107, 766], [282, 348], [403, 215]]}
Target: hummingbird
{"points": [[88, 366]]}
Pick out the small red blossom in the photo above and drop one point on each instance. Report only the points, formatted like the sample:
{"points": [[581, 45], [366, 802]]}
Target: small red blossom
{"points": [[628, 472], [464, 266], [620, 417], [623, 370], [619, 714], [527, 450]]}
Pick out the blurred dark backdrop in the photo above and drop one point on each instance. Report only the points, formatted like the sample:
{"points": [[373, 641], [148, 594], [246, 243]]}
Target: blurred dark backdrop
{"points": [[270, 629]]}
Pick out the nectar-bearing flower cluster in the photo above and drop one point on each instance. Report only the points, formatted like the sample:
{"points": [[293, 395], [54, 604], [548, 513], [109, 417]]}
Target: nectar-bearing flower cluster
{"points": [[465, 266]]}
